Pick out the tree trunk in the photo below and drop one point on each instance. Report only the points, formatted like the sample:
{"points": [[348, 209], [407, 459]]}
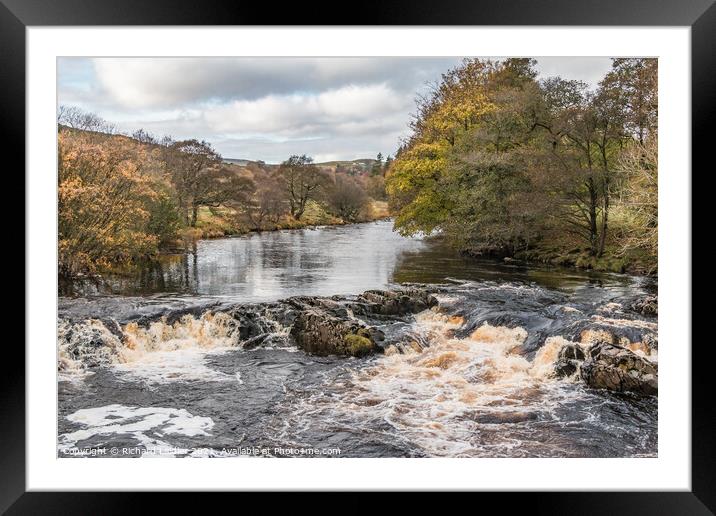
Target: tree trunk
{"points": [[183, 209], [194, 209], [300, 209], [592, 217], [605, 219]]}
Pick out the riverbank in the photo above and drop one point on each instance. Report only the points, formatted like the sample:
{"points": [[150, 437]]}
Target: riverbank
{"points": [[632, 262], [224, 222]]}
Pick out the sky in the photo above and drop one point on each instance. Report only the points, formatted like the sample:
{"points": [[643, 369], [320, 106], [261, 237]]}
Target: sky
{"points": [[269, 108]]}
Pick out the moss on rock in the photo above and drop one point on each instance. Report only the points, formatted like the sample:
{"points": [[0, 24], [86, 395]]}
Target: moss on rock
{"points": [[357, 345]]}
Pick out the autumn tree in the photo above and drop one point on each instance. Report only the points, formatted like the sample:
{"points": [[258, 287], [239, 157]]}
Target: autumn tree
{"points": [[428, 176], [499, 161], [302, 181], [201, 179], [346, 198], [266, 205], [632, 84], [639, 165], [103, 203]]}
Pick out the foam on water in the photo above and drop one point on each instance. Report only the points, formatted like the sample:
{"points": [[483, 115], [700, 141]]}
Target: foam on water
{"points": [[147, 425], [626, 323], [448, 398], [81, 346], [158, 353]]}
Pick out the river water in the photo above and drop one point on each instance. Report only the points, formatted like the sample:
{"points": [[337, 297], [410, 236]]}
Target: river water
{"points": [[152, 363]]}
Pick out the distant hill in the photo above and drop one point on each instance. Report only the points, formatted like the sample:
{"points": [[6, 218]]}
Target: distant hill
{"points": [[353, 167], [356, 167], [240, 162]]}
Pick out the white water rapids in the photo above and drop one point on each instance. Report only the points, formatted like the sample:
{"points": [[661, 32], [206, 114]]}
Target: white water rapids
{"points": [[449, 392]]}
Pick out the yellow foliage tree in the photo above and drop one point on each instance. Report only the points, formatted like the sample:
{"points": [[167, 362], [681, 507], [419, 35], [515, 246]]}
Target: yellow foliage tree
{"points": [[103, 201], [455, 105]]}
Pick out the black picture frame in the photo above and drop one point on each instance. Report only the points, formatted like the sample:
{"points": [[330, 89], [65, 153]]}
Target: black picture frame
{"points": [[700, 15]]}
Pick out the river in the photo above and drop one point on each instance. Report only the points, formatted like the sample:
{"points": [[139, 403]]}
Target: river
{"points": [[152, 363]]}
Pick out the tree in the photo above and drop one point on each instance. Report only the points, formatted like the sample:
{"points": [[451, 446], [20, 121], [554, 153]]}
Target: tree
{"points": [[377, 168], [201, 179], [302, 181], [428, 177], [585, 132], [414, 188], [632, 83], [76, 118], [164, 217], [143, 136], [221, 186], [387, 164], [266, 205], [501, 162], [346, 198], [375, 187], [104, 201], [455, 104], [639, 164]]}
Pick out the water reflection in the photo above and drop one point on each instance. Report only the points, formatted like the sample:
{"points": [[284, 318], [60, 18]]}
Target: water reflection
{"points": [[321, 261]]}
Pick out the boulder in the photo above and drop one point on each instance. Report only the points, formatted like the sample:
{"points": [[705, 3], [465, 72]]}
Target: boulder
{"points": [[569, 360], [335, 326], [320, 332], [648, 306], [393, 303], [358, 345], [615, 368]]}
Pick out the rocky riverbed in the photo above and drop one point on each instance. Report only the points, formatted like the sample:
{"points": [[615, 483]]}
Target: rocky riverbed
{"points": [[458, 360]]}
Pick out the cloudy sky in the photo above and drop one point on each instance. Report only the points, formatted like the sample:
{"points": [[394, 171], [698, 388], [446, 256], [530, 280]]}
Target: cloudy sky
{"points": [[269, 108]]}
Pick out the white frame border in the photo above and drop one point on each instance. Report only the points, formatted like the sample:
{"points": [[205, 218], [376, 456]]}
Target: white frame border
{"points": [[670, 471]]}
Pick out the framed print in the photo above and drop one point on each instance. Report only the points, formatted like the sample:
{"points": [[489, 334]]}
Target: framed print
{"points": [[424, 251]]}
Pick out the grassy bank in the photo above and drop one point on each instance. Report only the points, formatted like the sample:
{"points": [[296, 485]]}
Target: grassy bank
{"points": [[222, 221], [632, 262]]}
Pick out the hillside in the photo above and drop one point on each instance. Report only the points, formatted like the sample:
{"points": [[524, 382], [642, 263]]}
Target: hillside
{"points": [[356, 167]]}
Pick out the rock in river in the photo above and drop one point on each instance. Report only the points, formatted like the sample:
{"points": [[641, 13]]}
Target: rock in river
{"points": [[321, 332], [569, 359], [613, 367], [648, 306], [332, 327]]}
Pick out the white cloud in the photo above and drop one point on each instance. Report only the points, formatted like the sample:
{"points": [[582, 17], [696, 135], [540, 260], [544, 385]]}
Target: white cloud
{"points": [[166, 82], [269, 108], [349, 110], [587, 69]]}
